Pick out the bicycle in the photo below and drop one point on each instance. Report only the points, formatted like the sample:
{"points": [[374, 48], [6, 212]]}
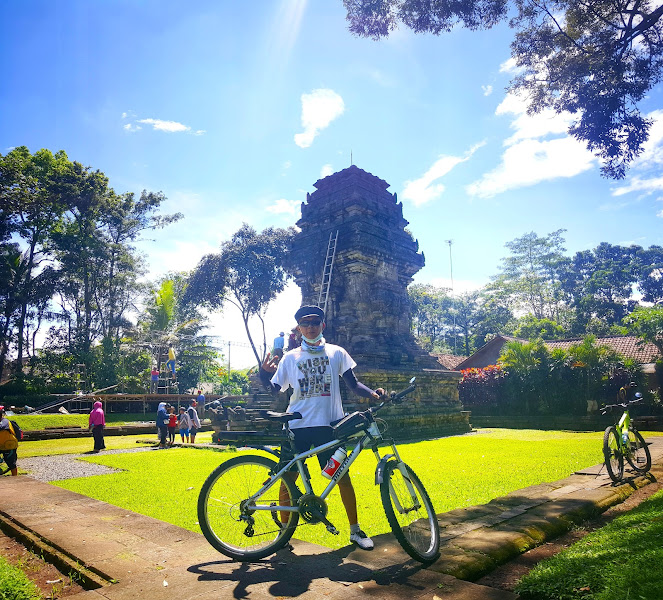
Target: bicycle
{"points": [[623, 441], [247, 510]]}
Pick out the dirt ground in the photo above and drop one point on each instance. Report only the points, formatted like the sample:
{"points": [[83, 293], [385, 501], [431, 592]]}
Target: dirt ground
{"points": [[506, 576], [48, 579]]}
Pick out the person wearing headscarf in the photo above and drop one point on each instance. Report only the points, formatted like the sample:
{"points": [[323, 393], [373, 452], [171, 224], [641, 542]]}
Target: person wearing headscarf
{"points": [[96, 423], [162, 424]]}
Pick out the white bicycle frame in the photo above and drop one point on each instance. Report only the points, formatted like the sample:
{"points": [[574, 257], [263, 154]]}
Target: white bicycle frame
{"points": [[372, 435]]}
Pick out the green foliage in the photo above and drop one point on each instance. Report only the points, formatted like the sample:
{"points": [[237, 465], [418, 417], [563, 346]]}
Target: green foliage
{"points": [[15, 585], [531, 328], [237, 384], [647, 324], [594, 60], [621, 560], [530, 379], [248, 273]]}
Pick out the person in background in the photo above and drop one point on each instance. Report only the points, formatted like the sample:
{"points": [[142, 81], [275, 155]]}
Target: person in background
{"points": [[294, 340], [10, 456], [195, 420], [154, 380], [184, 422], [172, 424], [170, 363], [162, 424], [201, 399], [96, 424], [279, 345]]}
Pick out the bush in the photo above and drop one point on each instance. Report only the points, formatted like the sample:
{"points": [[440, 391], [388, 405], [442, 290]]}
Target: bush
{"points": [[15, 585]]}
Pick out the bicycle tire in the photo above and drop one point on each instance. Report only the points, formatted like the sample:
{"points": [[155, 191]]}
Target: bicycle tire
{"points": [[638, 448], [416, 530], [614, 459], [219, 509]]}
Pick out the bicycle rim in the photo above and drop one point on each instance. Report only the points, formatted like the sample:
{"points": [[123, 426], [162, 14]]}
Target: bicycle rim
{"points": [[236, 532], [614, 459], [638, 456], [410, 513]]}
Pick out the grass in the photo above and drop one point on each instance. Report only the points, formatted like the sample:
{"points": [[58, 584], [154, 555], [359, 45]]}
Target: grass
{"points": [[34, 422], [15, 585], [84, 444], [621, 560], [457, 472]]}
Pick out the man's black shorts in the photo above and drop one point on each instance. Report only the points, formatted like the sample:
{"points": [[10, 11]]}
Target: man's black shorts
{"points": [[305, 439]]}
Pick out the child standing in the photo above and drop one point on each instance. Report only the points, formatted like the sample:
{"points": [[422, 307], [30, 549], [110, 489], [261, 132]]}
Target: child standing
{"points": [[184, 422], [172, 424]]}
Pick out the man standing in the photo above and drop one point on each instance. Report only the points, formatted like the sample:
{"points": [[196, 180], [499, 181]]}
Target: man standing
{"points": [[313, 372], [195, 420], [279, 344]]}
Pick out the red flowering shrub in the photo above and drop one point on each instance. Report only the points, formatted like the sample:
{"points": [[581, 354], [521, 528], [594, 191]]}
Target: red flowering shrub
{"points": [[480, 388]]}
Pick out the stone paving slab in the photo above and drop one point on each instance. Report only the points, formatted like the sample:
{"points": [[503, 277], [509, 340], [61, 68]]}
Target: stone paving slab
{"points": [[144, 554]]}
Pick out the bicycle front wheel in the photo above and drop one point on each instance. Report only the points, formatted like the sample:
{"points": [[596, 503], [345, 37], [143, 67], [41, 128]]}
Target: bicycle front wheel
{"points": [[410, 512], [231, 523], [614, 459], [638, 455]]}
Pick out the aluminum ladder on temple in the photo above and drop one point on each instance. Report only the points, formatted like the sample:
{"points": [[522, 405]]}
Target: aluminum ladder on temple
{"points": [[327, 271]]}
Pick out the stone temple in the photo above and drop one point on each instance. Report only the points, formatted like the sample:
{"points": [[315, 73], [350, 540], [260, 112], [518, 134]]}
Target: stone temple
{"points": [[368, 311]]}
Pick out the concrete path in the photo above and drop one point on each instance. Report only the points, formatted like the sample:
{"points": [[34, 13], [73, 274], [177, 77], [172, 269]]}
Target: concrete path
{"points": [[126, 555]]}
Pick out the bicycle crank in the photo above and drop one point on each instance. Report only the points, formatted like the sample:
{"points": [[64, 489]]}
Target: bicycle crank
{"points": [[313, 509]]}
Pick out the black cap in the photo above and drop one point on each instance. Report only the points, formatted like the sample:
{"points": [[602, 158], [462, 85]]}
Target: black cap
{"points": [[309, 311]]}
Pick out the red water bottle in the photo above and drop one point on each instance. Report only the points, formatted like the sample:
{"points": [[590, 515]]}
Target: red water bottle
{"points": [[334, 463]]}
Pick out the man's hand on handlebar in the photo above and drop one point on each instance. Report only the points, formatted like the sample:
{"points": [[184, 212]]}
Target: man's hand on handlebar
{"points": [[379, 394]]}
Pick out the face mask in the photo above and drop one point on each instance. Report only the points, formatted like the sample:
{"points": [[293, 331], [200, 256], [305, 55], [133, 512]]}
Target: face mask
{"points": [[314, 340]]}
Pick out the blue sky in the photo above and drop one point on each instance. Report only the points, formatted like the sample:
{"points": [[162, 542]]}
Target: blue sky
{"points": [[235, 109]]}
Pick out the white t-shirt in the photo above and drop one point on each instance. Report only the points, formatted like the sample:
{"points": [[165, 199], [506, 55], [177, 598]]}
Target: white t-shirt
{"points": [[314, 377]]}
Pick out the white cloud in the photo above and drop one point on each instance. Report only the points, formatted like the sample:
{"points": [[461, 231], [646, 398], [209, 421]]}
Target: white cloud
{"points": [[660, 214], [319, 109], [640, 185], [509, 66], [326, 170], [487, 90], [169, 126], [531, 161], [531, 126], [283, 206], [425, 189]]}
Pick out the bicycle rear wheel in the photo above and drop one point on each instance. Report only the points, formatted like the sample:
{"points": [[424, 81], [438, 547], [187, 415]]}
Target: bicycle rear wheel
{"points": [[638, 455], [614, 459], [226, 518], [410, 512]]}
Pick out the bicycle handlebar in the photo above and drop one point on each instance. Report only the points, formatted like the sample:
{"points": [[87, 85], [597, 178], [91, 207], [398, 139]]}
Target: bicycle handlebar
{"points": [[394, 396], [620, 404]]}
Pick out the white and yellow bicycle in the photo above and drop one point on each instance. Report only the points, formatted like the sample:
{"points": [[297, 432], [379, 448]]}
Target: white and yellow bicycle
{"points": [[248, 510]]}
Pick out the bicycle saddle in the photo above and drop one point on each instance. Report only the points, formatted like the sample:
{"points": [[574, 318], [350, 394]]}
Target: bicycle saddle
{"points": [[281, 417]]}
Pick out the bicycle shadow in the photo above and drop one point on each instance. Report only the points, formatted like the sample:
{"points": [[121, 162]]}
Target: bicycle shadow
{"points": [[309, 568]]}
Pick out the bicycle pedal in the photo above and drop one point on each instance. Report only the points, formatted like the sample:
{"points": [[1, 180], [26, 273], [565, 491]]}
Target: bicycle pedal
{"points": [[331, 529]]}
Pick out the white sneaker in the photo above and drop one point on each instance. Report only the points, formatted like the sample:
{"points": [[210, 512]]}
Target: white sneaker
{"points": [[362, 540]]}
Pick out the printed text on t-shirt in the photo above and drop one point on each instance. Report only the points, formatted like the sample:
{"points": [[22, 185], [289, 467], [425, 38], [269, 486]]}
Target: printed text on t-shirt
{"points": [[315, 380]]}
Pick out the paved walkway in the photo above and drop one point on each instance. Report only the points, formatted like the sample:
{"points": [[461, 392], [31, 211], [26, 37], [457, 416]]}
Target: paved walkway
{"points": [[132, 556]]}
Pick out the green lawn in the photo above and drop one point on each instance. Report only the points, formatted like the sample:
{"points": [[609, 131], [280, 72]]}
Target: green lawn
{"points": [[85, 444], [621, 560], [457, 471], [33, 422]]}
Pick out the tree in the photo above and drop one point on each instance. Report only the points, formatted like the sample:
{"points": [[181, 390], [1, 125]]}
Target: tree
{"points": [[430, 308], [32, 206], [650, 275], [595, 60], [531, 275], [647, 323], [599, 285], [531, 328], [248, 273]]}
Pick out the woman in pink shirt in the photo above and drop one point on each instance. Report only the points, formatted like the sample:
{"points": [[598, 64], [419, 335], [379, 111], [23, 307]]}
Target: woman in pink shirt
{"points": [[97, 423]]}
